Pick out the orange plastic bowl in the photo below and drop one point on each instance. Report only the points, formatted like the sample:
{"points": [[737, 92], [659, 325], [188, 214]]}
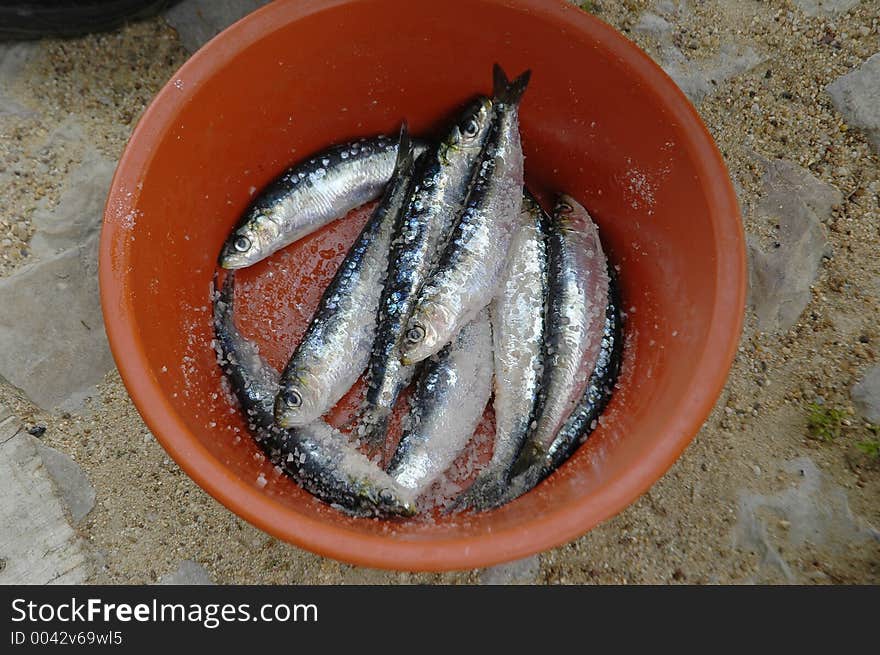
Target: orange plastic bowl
{"points": [[600, 120]]}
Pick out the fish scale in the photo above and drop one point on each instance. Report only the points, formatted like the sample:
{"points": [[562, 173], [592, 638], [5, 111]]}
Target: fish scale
{"points": [[468, 272], [583, 420], [336, 346], [311, 194], [316, 455], [517, 317], [442, 180], [448, 402], [578, 296]]}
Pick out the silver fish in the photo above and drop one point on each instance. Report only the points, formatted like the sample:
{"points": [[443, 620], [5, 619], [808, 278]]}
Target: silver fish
{"points": [[449, 399], [584, 417], [469, 270], [316, 455], [441, 183], [309, 195], [583, 420], [578, 296], [517, 316], [336, 347]]}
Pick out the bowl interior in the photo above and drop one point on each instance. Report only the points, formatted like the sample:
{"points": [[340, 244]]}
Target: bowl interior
{"points": [[598, 120]]}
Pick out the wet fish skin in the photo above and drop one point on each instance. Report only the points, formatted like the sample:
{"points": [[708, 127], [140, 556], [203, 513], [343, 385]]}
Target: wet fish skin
{"points": [[309, 195], [336, 347], [252, 378], [442, 181], [319, 457], [517, 318], [316, 455], [447, 404], [468, 271], [578, 296], [582, 421]]}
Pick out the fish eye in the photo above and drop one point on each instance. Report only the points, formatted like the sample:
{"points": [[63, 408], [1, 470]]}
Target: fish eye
{"points": [[564, 208], [471, 128], [415, 334], [386, 496], [292, 398], [242, 244]]}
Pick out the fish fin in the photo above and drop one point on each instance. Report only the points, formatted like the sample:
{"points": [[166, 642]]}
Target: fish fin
{"points": [[529, 202], [531, 454], [404, 150], [499, 79], [509, 93]]}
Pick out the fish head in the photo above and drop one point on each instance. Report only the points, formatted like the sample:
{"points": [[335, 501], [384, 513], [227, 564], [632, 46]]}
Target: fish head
{"points": [[427, 332], [570, 214], [298, 402], [251, 241], [471, 131], [565, 205], [390, 498]]}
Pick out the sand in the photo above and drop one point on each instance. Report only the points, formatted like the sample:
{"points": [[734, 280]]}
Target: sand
{"points": [[698, 523]]}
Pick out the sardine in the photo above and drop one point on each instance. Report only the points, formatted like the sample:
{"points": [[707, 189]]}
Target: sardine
{"points": [[517, 316], [448, 402], [469, 270], [578, 297], [309, 195], [316, 455], [442, 180], [336, 347], [252, 379], [583, 420]]}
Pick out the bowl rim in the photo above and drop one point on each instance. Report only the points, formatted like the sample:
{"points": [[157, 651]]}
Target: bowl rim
{"points": [[446, 553]]}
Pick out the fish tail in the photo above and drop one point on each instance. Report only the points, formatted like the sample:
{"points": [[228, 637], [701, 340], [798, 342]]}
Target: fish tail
{"points": [[371, 427], [499, 79], [484, 494], [505, 91]]}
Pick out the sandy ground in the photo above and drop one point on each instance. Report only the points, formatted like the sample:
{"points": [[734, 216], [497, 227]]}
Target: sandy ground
{"points": [[694, 525]]}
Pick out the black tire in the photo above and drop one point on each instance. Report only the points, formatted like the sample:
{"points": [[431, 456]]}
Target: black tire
{"points": [[39, 18]]}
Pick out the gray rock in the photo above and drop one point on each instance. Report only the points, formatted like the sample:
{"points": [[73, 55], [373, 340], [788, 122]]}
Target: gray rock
{"points": [[52, 341], [188, 573], [780, 277], [10, 426], [653, 25], [866, 396], [68, 140], [198, 21], [696, 77], [785, 177], [670, 9], [824, 7], [80, 208], [524, 571], [73, 484], [13, 58], [37, 544], [815, 511], [856, 96], [699, 78]]}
